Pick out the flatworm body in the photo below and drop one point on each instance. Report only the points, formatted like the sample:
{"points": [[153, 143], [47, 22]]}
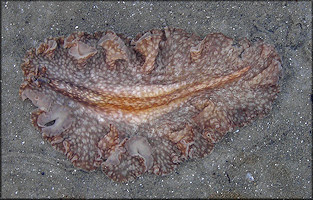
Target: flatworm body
{"points": [[130, 106]]}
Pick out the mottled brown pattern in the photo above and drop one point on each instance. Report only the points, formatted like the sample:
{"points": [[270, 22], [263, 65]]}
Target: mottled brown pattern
{"points": [[145, 104]]}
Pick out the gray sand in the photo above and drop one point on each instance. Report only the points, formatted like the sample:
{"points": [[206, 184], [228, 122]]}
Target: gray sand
{"points": [[269, 158]]}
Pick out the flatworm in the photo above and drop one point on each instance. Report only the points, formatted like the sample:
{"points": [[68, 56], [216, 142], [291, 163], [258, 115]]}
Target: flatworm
{"points": [[146, 104]]}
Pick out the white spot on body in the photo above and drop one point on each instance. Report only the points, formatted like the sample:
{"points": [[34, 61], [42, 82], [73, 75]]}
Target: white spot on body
{"points": [[249, 177]]}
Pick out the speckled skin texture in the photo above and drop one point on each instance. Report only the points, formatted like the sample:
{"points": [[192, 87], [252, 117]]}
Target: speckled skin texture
{"points": [[146, 104]]}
